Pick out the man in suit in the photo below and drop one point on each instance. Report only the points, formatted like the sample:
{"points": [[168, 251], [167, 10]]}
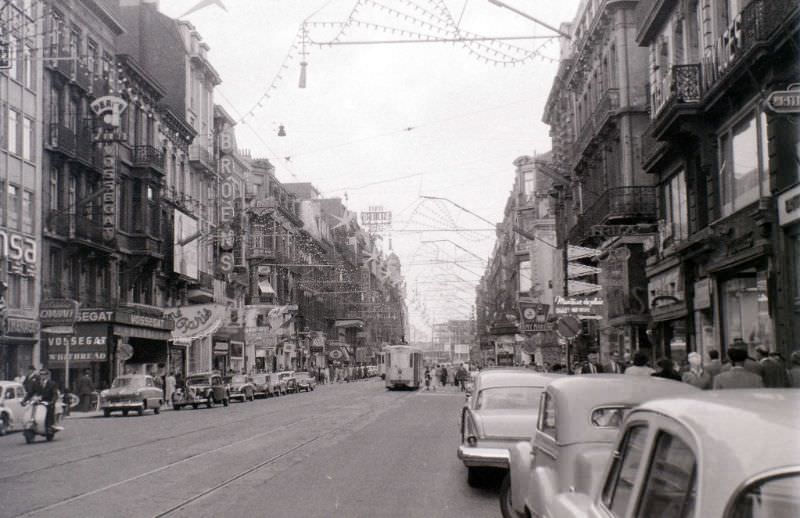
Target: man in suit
{"points": [[614, 366], [47, 390], [737, 376], [591, 366], [714, 366], [31, 380]]}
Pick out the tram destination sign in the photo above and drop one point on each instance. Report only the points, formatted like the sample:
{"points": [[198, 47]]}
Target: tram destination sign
{"points": [[785, 101]]}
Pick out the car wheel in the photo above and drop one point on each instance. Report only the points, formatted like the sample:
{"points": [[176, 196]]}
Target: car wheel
{"points": [[157, 410], [505, 497], [140, 410], [49, 436], [125, 413], [475, 477], [3, 425], [106, 412], [176, 407], [195, 405]]}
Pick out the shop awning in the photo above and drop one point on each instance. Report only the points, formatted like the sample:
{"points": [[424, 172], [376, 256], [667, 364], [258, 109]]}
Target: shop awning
{"points": [[142, 332], [352, 322], [265, 287]]}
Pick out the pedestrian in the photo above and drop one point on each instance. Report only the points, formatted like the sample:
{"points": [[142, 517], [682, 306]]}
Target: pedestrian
{"points": [[180, 382], [461, 377], [427, 378], [32, 380], [614, 366], [590, 366], [737, 376], [85, 389], [714, 366], [794, 371], [451, 375], [169, 387], [444, 376], [666, 370], [639, 367], [773, 372], [697, 375]]}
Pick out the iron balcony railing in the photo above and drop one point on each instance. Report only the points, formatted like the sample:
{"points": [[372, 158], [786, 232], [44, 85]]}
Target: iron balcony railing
{"points": [[617, 206], [89, 229], [147, 156], [62, 139], [683, 84]]}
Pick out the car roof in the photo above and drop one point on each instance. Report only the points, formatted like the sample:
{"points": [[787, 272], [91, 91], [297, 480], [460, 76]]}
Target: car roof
{"points": [[740, 434], [134, 376], [576, 396], [512, 377]]}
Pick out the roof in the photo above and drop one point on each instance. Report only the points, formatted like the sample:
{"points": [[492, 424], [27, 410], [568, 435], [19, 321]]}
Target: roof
{"points": [[576, 396], [510, 377], [766, 423]]}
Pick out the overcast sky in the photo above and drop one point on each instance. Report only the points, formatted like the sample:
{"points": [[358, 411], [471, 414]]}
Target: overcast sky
{"points": [[386, 123]]}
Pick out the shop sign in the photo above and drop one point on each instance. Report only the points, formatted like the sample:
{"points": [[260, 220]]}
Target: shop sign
{"points": [[21, 326], [666, 288], [82, 346], [109, 200], [57, 312], [95, 315], [136, 319], [92, 356], [789, 206], [20, 253], [255, 335], [289, 347], [582, 306], [237, 349], [785, 101], [534, 317], [623, 230], [221, 347], [702, 294], [195, 320]]}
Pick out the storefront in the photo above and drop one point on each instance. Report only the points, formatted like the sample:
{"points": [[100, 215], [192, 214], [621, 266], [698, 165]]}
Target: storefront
{"points": [[191, 349], [788, 266], [668, 330], [272, 327], [18, 340]]}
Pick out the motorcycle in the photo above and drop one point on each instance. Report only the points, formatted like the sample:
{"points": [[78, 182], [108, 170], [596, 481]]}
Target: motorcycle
{"points": [[35, 416]]}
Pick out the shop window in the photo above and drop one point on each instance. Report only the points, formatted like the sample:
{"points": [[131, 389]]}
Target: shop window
{"points": [[743, 163], [745, 310]]}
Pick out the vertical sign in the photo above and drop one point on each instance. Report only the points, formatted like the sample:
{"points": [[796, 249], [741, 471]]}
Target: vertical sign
{"points": [[109, 179], [228, 189]]}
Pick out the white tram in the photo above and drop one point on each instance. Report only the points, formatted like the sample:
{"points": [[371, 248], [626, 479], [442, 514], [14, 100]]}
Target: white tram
{"points": [[403, 366]]}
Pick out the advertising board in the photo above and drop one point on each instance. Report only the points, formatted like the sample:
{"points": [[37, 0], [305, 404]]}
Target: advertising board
{"points": [[186, 250]]}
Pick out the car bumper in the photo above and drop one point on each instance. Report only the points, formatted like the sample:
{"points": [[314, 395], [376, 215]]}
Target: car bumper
{"points": [[484, 457], [119, 405]]}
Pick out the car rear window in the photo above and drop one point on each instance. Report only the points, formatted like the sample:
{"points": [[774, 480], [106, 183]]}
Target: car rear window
{"points": [[508, 398], [769, 497]]}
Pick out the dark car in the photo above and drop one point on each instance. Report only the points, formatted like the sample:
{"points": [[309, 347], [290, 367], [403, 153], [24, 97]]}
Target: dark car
{"points": [[240, 387], [305, 381], [132, 392], [201, 389]]}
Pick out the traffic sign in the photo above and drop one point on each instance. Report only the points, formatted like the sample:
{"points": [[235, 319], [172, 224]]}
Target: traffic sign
{"points": [[785, 101], [568, 327]]}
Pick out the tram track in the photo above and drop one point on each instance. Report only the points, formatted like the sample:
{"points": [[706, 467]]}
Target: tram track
{"points": [[188, 458]]}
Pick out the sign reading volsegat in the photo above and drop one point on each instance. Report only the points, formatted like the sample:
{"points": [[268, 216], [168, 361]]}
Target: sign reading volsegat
{"points": [[109, 204], [229, 191]]}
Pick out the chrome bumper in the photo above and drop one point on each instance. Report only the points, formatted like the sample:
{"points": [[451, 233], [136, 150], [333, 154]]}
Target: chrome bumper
{"points": [[121, 404], [484, 457]]}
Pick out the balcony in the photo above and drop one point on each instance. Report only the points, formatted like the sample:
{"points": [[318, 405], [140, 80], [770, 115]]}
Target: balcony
{"points": [[616, 206], [84, 144], [682, 85], [606, 108], [88, 230], [201, 290], [199, 156], [149, 157], [61, 139], [60, 60], [81, 77], [754, 25]]}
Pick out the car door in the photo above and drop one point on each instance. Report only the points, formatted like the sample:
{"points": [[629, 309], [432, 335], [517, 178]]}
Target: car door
{"points": [[152, 393], [619, 487], [543, 482], [217, 388]]}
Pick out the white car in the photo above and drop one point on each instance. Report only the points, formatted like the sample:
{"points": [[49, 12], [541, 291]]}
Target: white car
{"points": [[11, 411]]}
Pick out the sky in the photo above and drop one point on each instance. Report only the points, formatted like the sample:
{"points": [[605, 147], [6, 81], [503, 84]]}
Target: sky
{"points": [[386, 124]]}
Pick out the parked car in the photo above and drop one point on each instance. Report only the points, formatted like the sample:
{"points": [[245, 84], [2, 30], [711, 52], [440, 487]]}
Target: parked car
{"points": [[261, 385], [137, 392], [240, 387], [11, 410], [288, 381], [305, 381], [729, 453], [501, 409], [201, 389], [578, 420]]}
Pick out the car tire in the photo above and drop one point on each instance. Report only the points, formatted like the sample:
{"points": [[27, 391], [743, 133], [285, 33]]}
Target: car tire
{"points": [[176, 407], [106, 412], [195, 405], [3, 425], [157, 410], [505, 498], [125, 413], [475, 477], [140, 410]]}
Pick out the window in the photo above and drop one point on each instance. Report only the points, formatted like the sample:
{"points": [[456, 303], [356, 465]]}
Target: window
{"points": [[27, 211], [671, 485], [745, 309], [54, 194], [13, 293], [27, 68], [547, 416], [13, 70], [13, 206], [528, 182], [743, 163], [13, 132], [28, 292], [618, 487], [525, 283], [92, 57], [506, 398], [676, 213], [775, 497], [27, 138]]}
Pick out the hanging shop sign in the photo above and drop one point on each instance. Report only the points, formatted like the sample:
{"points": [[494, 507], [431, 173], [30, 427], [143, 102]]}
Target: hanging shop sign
{"points": [[20, 253], [789, 206], [785, 101], [89, 344], [533, 317], [195, 321], [579, 306], [109, 200], [623, 230], [58, 313], [230, 189]]}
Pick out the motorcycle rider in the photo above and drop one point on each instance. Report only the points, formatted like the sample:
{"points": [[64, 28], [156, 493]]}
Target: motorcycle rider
{"points": [[47, 390]]}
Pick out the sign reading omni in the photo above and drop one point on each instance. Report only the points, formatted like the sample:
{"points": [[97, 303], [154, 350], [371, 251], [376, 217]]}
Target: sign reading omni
{"points": [[57, 316]]}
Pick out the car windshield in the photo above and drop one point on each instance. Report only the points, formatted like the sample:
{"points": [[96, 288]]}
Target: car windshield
{"points": [[200, 380], [302, 375], [776, 497], [128, 382], [507, 398], [239, 379]]}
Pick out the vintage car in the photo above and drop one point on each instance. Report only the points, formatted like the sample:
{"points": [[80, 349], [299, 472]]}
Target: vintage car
{"points": [[137, 392], [201, 389], [305, 381], [288, 382], [728, 454], [261, 385], [240, 387], [500, 410], [578, 420], [11, 411]]}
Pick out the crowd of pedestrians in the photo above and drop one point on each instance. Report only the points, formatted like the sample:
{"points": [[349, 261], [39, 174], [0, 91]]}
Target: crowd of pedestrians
{"points": [[440, 376]]}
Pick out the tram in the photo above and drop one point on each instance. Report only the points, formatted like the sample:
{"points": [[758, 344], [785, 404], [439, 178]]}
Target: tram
{"points": [[403, 366]]}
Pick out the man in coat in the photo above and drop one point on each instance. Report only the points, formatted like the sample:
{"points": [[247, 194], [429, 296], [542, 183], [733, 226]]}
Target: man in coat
{"points": [[773, 371], [31, 381], [47, 390], [738, 376], [85, 388]]}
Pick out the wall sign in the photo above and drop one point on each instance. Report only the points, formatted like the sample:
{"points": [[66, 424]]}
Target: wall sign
{"points": [[789, 206], [20, 253], [109, 203]]}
